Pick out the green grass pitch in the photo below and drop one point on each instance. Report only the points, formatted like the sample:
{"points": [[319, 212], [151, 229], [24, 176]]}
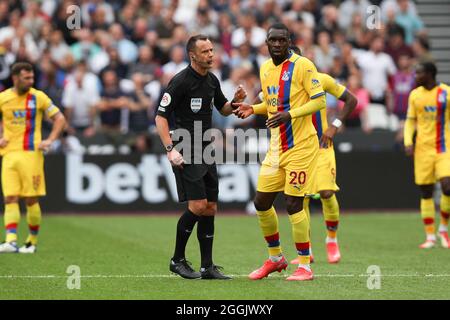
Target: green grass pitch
{"points": [[127, 258]]}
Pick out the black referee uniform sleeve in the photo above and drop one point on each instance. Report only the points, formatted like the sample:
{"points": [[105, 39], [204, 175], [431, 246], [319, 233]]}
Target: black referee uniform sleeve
{"points": [[170, 99]]}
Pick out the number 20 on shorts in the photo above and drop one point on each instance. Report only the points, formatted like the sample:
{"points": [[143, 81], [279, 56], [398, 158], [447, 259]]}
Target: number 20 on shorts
{"points": [[297, 177]]}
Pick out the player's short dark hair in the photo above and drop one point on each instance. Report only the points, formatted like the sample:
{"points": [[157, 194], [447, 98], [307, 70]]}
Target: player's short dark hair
{"points": [[296, 50], [429, 67], [17, 68], [278, 26], [193, 40]]}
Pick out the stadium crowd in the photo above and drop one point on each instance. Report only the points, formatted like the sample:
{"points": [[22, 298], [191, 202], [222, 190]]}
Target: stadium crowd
{"points": [[108, 75]]}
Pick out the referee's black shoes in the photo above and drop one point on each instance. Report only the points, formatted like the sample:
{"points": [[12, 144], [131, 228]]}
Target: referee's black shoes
{"points": [[184, 269], [213, 273]]}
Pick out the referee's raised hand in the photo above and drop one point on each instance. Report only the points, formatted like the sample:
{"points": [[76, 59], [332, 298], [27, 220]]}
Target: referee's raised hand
{"points": [[175, 159], [240, 94]]}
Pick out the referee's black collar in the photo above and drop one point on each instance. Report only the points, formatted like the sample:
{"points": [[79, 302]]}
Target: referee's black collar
{"points": [[196, 74]]}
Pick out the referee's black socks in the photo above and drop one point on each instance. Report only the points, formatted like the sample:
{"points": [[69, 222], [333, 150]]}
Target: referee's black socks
{"points": [[205, 235], [184, 229]]}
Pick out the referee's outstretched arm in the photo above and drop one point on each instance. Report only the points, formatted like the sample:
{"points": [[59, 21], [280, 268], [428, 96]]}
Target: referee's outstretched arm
{"points": [[239, 96]]}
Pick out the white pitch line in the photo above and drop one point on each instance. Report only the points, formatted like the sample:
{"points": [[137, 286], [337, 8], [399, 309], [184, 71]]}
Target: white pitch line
{"points": [[122, 276]]}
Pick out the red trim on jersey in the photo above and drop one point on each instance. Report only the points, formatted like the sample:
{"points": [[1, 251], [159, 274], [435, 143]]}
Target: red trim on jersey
{"points": [[283, 135], [26, 137]]}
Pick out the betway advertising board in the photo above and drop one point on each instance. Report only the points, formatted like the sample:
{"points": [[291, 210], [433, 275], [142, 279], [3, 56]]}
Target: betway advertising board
{"points": [[145, 183]]}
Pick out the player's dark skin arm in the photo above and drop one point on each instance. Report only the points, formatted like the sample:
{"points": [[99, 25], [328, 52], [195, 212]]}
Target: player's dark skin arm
{"points": [[350, 103]]}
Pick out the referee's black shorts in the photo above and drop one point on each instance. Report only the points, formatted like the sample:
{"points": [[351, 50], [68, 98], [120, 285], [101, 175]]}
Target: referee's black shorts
{"points": [[197, 182]]}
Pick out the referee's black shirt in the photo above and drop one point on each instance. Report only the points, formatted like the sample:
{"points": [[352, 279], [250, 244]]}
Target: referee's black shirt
{"points": [[191, 96]]}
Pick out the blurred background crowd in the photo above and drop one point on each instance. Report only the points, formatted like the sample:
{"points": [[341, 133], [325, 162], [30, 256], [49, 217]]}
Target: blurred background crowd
{"points": [[108, 76]]}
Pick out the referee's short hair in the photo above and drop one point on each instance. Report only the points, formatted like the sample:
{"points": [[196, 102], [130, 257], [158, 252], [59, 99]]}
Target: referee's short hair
{"points": [[193, 40], [17, 67]]}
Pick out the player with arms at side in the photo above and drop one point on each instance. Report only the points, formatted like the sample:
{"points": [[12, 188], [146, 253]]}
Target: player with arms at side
{"points": [[428, 116], [326, 167], [21, 146], [190, 96], [293, 93]]}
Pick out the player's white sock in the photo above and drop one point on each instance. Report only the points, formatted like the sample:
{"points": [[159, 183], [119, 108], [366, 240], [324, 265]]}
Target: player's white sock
{"points": [[443, 228], [331, 240], [276, 258], [431, 237], [307, 267]]}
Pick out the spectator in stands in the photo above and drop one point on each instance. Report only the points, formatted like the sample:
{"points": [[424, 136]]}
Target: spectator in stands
{"points": [[243, 56], [249, 32], [19, 38], [202, 24], [128, 51], [145, 65], [85, 48], [79, 100], [34, 19], [177, 61], [358, 118], [324, 52], [88, 9], [376, 67], [57, 46], [402, 84], [297, 10], [115, 63], [349, 8], [139, 114], [112, 101], [396, 46], [421, 48], [410, 22], [329, 20], [392, 5], [225, 29]]}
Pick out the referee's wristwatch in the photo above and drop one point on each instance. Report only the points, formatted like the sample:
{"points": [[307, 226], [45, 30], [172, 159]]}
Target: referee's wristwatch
{"points": [[169, 147]]}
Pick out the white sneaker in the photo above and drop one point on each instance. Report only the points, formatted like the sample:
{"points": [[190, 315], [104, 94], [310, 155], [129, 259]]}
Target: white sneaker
{"points": [[8, 247], [27, 248]]}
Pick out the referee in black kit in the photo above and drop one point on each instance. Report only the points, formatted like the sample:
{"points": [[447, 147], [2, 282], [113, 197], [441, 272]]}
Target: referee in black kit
{"points": [[190, 95]]}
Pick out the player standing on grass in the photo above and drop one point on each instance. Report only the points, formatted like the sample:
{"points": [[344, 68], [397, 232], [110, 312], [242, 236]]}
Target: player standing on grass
{"points": [[326, 167], [292, 92], [428, 115], [191, 95], [23, 108], [326, 170]]}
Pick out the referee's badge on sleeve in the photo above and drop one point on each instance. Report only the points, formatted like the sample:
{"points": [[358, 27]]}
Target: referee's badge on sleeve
{"points": [[165, 100], [196, 104]]}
